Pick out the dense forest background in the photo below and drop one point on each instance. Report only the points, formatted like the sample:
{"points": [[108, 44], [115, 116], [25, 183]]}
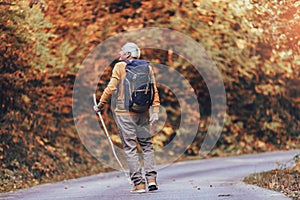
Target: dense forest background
{"points": [[255, 45]]}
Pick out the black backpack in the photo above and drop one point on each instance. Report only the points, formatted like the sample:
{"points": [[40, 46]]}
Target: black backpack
{"points": [[138, 86]]}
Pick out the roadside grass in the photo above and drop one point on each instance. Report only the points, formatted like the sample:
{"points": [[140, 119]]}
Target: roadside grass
{"points": [[284, 179]]}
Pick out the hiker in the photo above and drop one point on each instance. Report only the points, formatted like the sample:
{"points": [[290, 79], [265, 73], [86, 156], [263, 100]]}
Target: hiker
{"points": [[134, 121]]}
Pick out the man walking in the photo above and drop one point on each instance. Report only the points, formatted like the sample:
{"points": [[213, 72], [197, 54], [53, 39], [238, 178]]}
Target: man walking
{"points": [[133, 126]]}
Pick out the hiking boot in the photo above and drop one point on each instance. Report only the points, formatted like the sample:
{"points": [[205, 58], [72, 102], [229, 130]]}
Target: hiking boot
{"points": [[141, 188], [152, 185]]}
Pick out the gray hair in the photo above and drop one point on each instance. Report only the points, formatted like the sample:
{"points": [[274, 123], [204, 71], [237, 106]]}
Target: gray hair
{"points": [[133, 49]]}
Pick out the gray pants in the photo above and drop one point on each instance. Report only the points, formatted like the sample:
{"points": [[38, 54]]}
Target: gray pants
{"points": [[135, 129]]}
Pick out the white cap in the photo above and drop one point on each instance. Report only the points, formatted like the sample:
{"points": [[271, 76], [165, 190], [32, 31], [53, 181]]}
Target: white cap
{"points": [[132, 48]]}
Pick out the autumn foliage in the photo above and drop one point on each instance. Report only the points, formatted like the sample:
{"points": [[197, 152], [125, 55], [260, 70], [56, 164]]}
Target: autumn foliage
{"points": [[255, 47]]}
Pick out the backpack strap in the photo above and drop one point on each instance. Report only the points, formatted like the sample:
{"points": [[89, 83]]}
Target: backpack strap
{"points": [[149, 78]]}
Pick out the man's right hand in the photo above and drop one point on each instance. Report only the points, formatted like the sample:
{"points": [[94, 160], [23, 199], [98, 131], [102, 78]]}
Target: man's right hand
{"points": [[98, 108]]}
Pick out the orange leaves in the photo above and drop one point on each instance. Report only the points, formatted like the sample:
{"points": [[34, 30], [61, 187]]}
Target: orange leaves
{"points": [[26, 99], [284, 179], [261, 76], [296, 101], [162, 137], [39, 140], [275, 126], [297, 165], [269, 89]]}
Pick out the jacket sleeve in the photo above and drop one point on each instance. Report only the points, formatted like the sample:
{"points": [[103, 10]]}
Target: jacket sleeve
{"points": [[112, 85], [156, 101]]}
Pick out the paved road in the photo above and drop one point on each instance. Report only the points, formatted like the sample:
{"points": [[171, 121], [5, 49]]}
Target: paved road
{"points": [[210, 179]]}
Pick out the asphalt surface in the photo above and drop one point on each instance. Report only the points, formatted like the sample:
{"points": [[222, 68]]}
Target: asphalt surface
{"points": [[209, 179]]}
